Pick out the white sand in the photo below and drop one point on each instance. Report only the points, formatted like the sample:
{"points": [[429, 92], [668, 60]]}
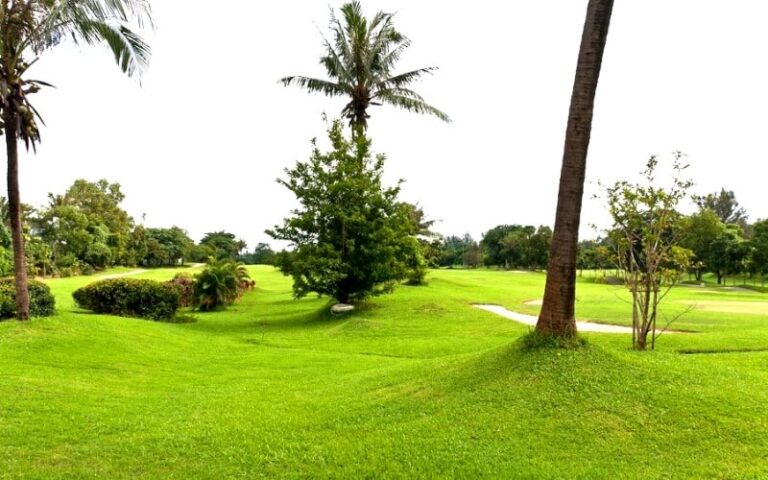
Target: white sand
{"points": [[531, 320]]}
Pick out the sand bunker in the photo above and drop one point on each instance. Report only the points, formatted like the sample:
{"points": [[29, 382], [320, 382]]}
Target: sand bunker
{"points": [[581, 326]]}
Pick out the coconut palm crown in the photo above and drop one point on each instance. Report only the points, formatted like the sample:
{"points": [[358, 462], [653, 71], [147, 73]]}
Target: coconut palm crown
{"points": [[360, 62], [27, 29]]}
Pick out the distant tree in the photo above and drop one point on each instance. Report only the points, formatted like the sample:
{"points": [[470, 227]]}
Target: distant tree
{"points": [[595, 255], [453, 251], [724, 205], [759, 244], [517, 246], [473, 256], [100, 202], [698, 234], [492, 246], [351, 237], [726, 253], [262, 255], [29, 28], [166, 246], [556, 318], [360, 62], [646, 232], [224, 245]]}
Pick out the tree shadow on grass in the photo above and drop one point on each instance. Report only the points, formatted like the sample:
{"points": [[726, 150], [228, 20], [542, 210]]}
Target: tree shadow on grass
{"points": [[282, 320]]}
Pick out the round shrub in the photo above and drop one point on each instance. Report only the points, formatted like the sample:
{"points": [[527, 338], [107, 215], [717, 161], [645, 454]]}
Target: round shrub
{"points": [[184, 284], [129, 297], [41, 301]]}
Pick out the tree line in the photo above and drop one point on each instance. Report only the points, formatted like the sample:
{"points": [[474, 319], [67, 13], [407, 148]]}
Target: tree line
{"points": [[85, 229]]}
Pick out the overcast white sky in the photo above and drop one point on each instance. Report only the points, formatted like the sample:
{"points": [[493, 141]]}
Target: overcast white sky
{"points": [[200, 143]]}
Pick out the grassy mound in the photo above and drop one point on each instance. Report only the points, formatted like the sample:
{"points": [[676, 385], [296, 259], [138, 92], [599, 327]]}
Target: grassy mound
{"points": [[417, 384]]}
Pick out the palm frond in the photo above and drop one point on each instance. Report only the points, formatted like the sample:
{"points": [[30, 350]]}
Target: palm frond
{"points": [[411, 104], [405, 78], [130, 51], [399, 91], [316, 85]]}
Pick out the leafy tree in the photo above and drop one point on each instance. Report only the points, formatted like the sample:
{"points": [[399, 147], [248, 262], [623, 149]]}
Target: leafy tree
{"points": [[594, 255], [698, 234], [460, 251], [100, 203], [517, 246], [351, 237], [262, 255], [224, 244], [759, 243], [166, 246], [724, 205], [87, 223], [726, 253], [360, 62], [557, 312], [492, 246], [646, 231], [27, 29]]}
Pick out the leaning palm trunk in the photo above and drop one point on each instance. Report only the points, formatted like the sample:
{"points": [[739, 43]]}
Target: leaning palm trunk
{"points": [[14, 207], [557, 313]]}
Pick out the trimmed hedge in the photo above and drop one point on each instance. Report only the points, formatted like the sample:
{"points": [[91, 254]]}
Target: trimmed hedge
{"points": [[41, 301], [129, 297]]}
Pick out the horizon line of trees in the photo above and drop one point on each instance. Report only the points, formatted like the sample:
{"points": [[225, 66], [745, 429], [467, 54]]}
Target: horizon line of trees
{"points": [[85, 229]]}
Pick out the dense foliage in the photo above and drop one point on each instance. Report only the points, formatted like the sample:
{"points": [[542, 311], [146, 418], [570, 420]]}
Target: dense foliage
{"points": [[262, 255], [184, 284], [517, 246], [222, 245], [352, 238], [129, 297], [220, 284], [41, 300]]}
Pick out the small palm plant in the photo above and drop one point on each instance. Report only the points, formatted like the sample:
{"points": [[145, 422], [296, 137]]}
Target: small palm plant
{"points": [[220, 284]]}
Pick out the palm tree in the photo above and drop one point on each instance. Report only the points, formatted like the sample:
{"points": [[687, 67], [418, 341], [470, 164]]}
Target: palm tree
{"points": [[359, 63], [27, 29], [557, 312]]}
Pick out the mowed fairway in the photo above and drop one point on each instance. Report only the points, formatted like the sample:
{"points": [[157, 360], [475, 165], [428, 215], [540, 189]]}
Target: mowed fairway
{"points": [[415, 384]]}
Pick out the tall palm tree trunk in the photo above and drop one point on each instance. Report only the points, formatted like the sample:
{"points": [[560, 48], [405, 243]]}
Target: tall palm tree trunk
{"points": [[14, 207], [557, 312]]}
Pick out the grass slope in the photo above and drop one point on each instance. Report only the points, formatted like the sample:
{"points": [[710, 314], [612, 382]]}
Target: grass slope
{"points": [[416, 384]]}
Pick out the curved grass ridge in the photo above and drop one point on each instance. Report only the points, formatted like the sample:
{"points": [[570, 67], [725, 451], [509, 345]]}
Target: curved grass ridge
{"points": [[418, 384]]}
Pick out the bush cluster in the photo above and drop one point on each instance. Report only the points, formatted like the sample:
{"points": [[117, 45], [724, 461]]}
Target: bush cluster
{"points": [[220, 284], [184, 285], [41, 300], [130, 297]]}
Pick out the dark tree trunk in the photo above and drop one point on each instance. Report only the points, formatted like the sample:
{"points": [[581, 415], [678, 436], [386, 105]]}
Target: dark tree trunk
{"points": [[557, 312], [14, 207]]}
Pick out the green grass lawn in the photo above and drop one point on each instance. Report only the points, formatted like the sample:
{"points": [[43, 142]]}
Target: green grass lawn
{"points": [[415, 384]]}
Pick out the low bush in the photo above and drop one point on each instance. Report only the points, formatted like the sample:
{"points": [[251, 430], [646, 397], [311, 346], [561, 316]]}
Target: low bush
{"points": [[129, 297], [185, 286], [221, 284], [41, 300]]}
